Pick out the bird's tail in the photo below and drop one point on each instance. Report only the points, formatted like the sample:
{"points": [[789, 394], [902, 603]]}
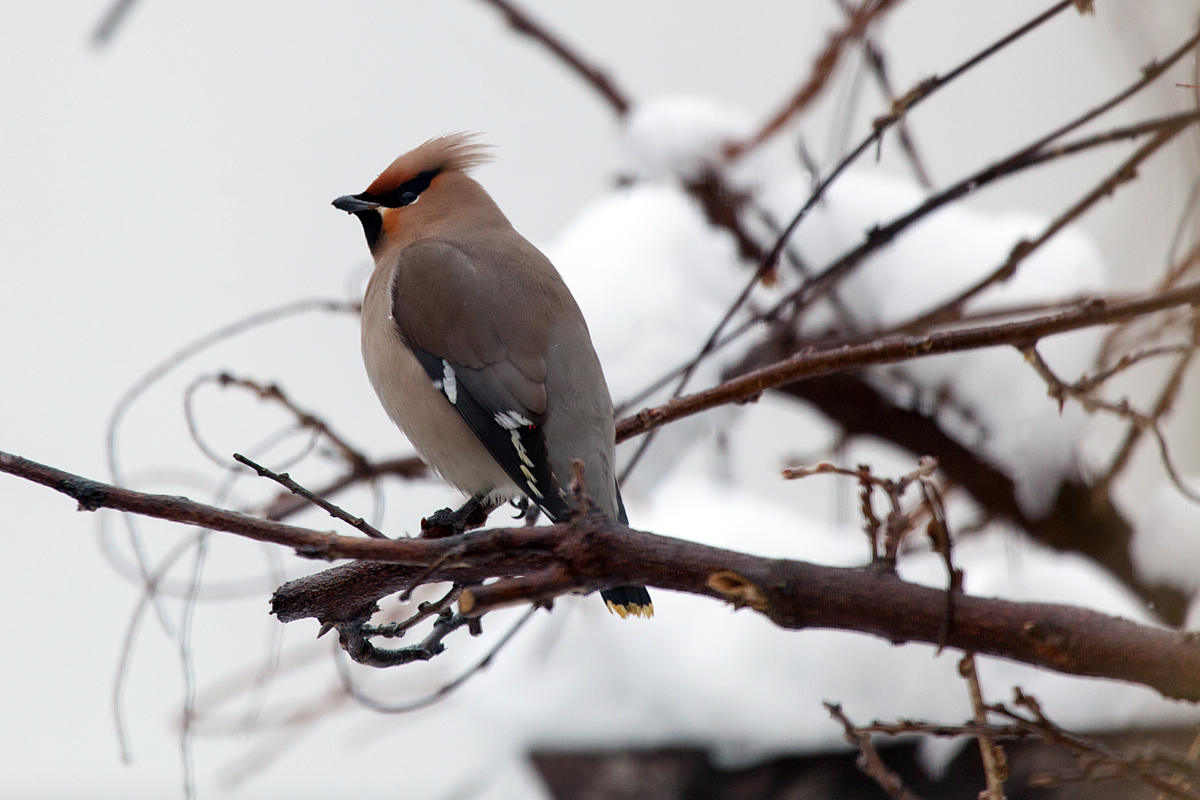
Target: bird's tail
{"points": [[626, 601]]}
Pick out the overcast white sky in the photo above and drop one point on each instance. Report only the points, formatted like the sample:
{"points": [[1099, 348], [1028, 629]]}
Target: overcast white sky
{"points": [[181, 178]]}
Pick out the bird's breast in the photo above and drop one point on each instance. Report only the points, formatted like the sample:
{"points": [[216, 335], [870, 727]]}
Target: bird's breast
{"points": [[425, 414]]}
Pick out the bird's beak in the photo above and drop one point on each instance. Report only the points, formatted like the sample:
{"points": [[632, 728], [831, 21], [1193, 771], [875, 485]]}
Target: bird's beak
{"points": [[352, 204]]}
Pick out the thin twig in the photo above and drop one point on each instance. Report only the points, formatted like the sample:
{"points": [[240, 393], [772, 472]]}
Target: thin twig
{"points": [[1097, 761], [395, 630], [284, 480], [278, 436], [359, 647], [166, 366], [117, 13], [868, 757], [522, 22], [995, 769], [875, 59], [1116, 341], [821, 284], [1061, 390], [879, 236], [409, 467], [1123, 174], [1166, 400], [930, 85], [942, 313], [818, 76], [908, 145], [194, 348], [1160, 771], [305, 419]]}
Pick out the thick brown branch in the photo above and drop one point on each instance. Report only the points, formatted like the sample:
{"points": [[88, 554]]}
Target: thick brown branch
{"points": [[600, 553], [901, 348]]}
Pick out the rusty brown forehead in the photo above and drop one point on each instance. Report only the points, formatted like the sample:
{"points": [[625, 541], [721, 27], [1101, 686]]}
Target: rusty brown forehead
{"points": [[396, 175], [454, 152]]}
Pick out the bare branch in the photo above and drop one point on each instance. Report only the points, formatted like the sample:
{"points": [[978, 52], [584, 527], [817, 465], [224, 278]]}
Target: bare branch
{"points": [[599, 553], [1163, 772], [875, 59], [818, 78], [1166, 400], [909, 101], [522, 22], [286, 481], [442, 691], [408, 467], [117, 13], [811, 363], [868, 757], [1125, 173], [994, 768], [823, 282]]}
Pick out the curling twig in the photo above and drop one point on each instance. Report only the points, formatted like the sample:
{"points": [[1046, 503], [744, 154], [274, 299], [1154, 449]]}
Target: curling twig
{"points": [[443, 691]]}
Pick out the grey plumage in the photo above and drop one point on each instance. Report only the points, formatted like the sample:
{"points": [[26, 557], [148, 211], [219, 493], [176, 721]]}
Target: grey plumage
{"points": [[475, 346]]}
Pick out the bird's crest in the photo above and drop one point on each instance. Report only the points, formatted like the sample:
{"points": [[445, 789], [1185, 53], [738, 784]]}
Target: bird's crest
{"points": [[451, 152]]}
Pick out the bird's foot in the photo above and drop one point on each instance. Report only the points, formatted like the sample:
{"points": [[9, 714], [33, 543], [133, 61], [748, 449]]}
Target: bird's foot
{"points": [[526, 511], [455, 522]]}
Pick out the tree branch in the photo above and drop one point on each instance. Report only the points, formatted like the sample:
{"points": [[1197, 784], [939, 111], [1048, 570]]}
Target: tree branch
{"points": [[819, 75], [1082, 520], [521, 22], [811, 363], [600, 553]]}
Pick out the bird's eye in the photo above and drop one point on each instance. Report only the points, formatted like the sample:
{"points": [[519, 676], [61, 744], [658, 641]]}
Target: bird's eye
{"points": [[408, 192]]}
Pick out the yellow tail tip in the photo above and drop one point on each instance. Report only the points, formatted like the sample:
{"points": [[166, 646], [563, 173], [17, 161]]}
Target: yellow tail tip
{"points": [[631, 609]]}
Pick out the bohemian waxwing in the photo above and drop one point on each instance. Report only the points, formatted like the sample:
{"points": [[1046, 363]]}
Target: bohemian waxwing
{"points": [[475, 345]]}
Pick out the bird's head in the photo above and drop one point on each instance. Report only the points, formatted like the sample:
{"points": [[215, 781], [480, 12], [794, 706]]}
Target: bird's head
{"points": [[420, 193]]}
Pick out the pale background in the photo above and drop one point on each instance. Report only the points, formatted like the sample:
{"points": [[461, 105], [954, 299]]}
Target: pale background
{"points": [[181, 179]]}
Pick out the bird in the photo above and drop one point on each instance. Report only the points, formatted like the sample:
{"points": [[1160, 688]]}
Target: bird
{"points": [[476, 348]]}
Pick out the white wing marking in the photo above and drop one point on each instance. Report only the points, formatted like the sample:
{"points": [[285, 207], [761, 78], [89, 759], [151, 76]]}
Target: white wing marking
{"points": [[449, 382]]}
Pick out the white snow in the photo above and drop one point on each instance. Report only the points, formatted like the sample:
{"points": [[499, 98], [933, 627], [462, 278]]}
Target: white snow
{"points": [[1166, 542], [653, 279], [682, 136], [1001, 404]]}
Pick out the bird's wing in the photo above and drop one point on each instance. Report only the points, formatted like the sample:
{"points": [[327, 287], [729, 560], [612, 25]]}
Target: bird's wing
{"points": [[474, 337]]}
